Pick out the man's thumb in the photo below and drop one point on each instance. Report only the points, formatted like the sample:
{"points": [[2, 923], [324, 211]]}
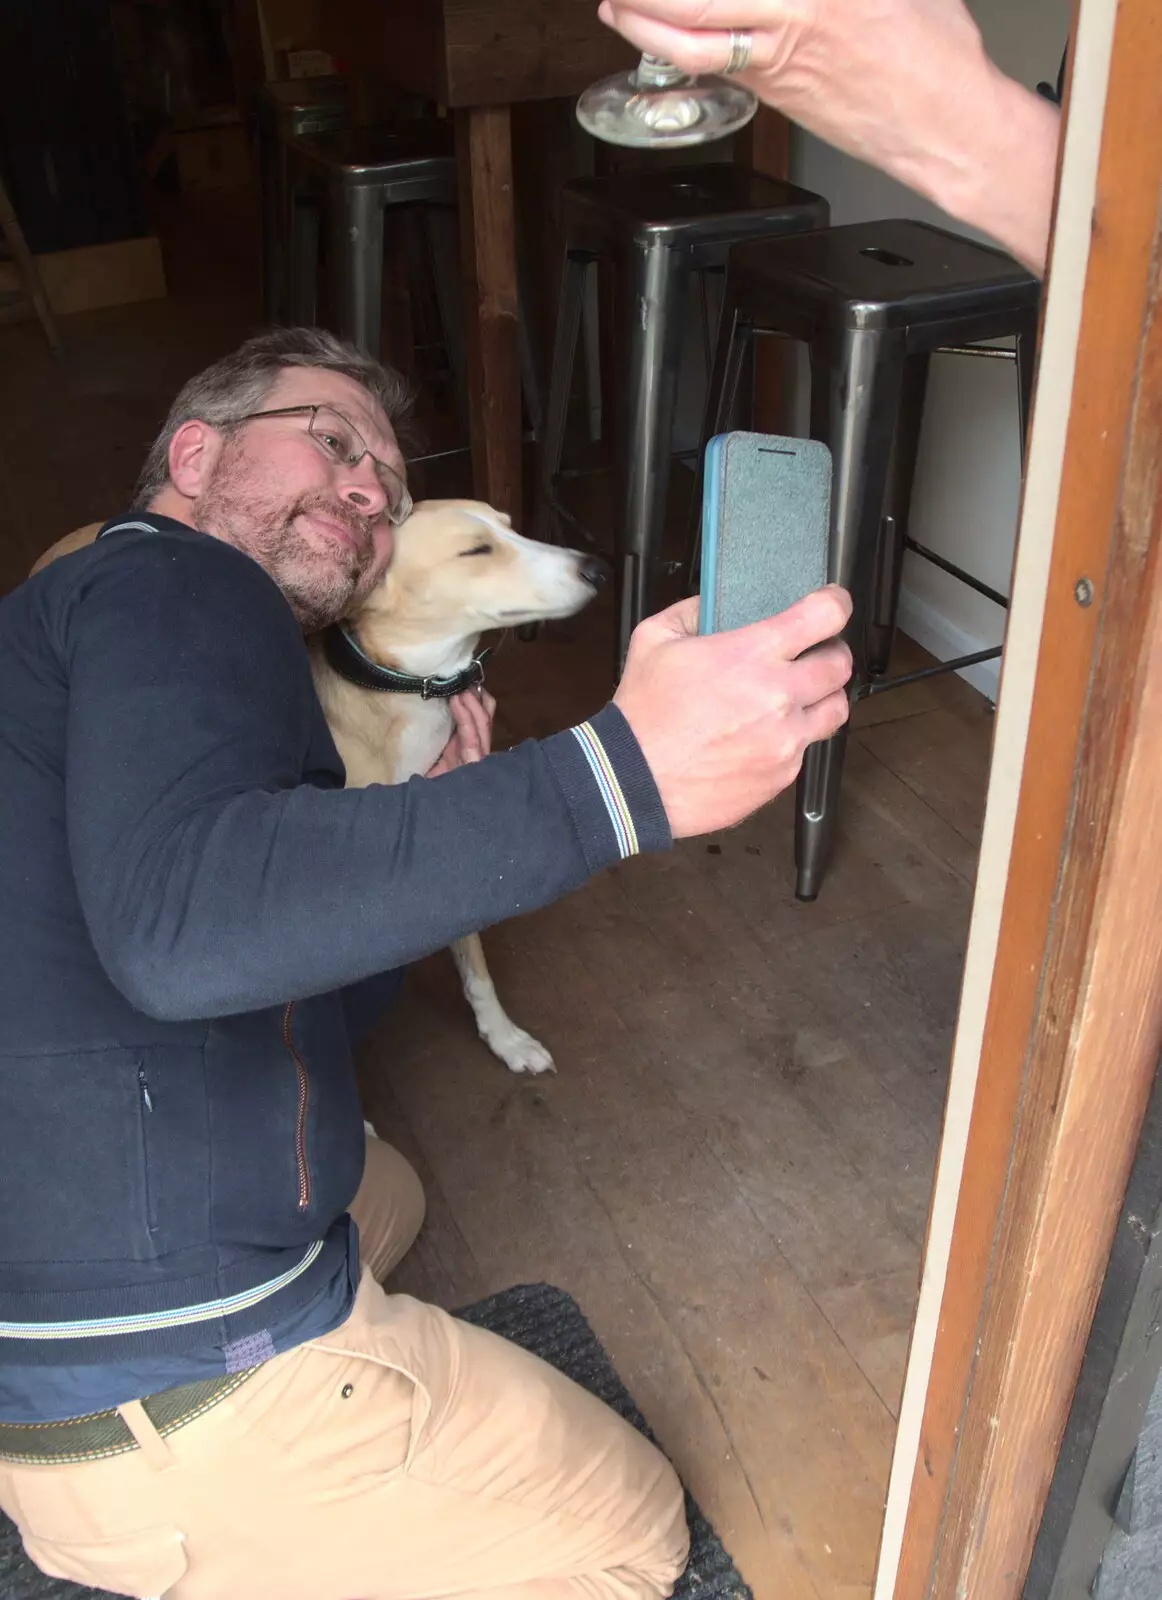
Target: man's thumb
{"points": [[680, 618]]}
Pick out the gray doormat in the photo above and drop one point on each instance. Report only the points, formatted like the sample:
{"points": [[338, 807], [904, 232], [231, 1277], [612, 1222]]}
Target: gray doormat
{"points": [[550, 1324]]}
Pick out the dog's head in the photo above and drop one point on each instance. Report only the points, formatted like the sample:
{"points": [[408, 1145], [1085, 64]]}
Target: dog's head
{"points": [[458, 568]]}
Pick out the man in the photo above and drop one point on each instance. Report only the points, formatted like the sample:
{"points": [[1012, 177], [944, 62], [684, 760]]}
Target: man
{"points": [[199, 1392], [903, 84]]}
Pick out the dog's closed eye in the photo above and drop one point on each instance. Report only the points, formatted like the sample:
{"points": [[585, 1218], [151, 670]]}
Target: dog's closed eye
{"points": [[478, 550]]}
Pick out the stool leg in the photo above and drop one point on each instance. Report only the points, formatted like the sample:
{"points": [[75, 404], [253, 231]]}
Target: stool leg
{"points": [[272, 227], [655, 300], [885, 600], [591, 336], [530, 380], [734, 339], [302, 271], [573, 281], [816, 805], [855, 400], [355, 218]]}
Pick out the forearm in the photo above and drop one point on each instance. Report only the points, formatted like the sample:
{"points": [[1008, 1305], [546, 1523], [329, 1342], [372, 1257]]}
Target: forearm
{"points": [[268, 897], [991, 161], [905, 85]]}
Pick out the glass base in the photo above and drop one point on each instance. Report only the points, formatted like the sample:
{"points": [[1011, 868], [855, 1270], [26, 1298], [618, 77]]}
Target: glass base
{"points": [[627, 111]]}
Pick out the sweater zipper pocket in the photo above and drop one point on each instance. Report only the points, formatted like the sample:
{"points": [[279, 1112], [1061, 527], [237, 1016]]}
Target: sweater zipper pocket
{"points": [[146, 1112], [301, 1114]]}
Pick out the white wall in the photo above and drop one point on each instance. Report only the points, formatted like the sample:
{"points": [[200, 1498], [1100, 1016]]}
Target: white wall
{"points": [[968, 474]]}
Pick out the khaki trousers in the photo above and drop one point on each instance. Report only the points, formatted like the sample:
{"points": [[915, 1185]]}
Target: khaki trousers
{"points": [[406, 1455]]}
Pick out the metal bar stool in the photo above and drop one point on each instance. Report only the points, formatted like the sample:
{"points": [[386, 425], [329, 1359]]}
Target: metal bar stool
{"points": [[353, 177], [874, 302], [657, 228], [284, 112]]}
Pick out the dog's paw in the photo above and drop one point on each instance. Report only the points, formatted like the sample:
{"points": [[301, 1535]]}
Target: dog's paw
{"points": [[519, 1051]]}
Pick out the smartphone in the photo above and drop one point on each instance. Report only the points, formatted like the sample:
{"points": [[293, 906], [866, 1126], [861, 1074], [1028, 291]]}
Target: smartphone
{"points": [[766, 515]]}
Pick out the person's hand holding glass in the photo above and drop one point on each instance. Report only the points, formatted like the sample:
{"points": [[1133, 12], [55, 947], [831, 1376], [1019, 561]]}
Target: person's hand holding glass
{"points": [[903, 84]]}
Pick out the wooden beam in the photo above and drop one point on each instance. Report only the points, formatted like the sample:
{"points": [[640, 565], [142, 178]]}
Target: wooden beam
{"points": [[491, 329], [1074, 1014]]}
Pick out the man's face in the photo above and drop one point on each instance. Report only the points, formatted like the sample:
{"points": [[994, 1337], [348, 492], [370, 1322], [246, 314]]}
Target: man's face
{"points": [[319, 527]]}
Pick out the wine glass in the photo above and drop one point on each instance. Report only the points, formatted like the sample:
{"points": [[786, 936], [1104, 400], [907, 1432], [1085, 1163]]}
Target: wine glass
{"points": [[658, 105]]}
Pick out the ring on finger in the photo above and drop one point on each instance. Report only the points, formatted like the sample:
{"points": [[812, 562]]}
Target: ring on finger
{"points": [[741, 45]]}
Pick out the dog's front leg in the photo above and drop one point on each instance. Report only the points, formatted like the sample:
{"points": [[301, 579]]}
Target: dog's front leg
{"points": [[519, 1051]]}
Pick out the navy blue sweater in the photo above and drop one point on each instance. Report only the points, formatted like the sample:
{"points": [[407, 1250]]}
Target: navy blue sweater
{"points": [[185, 890]]}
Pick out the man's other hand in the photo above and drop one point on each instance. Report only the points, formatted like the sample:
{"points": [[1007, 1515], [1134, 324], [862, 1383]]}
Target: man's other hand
{"points": [[471, 740]]}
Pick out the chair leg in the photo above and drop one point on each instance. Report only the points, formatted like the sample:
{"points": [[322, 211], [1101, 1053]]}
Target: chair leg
{"points": [[573, 282], [885, 599], [355, 264], [855, 399], [13, 235], [656, 278]]}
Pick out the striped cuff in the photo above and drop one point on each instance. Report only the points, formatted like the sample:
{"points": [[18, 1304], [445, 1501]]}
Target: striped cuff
{"points": [[611, 793], [609, 784]]}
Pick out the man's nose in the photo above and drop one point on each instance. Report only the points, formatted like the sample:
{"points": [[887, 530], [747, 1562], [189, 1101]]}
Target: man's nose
{"points": [[359, 487]]}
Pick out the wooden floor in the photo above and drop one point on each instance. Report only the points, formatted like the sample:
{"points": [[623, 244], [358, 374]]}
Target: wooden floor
{"points": [[731, 1170]]}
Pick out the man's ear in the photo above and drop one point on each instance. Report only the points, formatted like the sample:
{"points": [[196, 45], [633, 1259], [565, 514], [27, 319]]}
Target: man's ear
{"points": [[193, 454]]}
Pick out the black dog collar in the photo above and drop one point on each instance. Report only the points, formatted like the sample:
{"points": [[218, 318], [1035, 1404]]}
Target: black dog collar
{"points": [[349, 661]]}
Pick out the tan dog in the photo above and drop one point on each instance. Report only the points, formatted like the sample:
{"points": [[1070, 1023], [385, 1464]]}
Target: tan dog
{"points": [[457, 570]]}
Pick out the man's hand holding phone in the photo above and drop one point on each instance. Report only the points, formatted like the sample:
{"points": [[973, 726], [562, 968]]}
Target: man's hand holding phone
{"points": [[723, 719]]}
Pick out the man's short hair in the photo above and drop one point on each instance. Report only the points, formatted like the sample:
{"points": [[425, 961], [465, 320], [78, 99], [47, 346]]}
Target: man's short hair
{"points": [[241, 381]]}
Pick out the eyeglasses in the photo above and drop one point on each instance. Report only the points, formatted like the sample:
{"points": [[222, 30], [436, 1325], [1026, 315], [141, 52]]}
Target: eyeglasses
{"points": [[341, 442]]}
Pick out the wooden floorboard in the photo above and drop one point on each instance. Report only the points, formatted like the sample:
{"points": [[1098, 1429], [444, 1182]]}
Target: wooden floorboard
{"points": [[731, 1169]]}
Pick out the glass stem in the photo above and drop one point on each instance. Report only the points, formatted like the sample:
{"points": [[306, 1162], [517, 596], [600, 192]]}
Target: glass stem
{"points": [[654, 73]]}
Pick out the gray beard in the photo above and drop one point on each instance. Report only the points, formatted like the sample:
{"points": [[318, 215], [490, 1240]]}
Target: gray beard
{"points": [[320, 587]]}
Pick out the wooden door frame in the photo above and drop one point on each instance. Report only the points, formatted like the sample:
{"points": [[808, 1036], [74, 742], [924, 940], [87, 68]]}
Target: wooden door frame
{"points": [[1061, 1009]]}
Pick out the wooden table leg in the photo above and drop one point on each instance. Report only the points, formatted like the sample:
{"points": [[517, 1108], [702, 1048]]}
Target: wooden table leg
{"points": [[491, 329], [765, 145]]}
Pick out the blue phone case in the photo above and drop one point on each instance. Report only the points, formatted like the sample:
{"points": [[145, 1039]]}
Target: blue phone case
{"points": [[766, 511]]}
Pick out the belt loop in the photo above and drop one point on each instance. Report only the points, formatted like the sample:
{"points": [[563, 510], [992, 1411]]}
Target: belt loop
{"points": [[153, 1447]]}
